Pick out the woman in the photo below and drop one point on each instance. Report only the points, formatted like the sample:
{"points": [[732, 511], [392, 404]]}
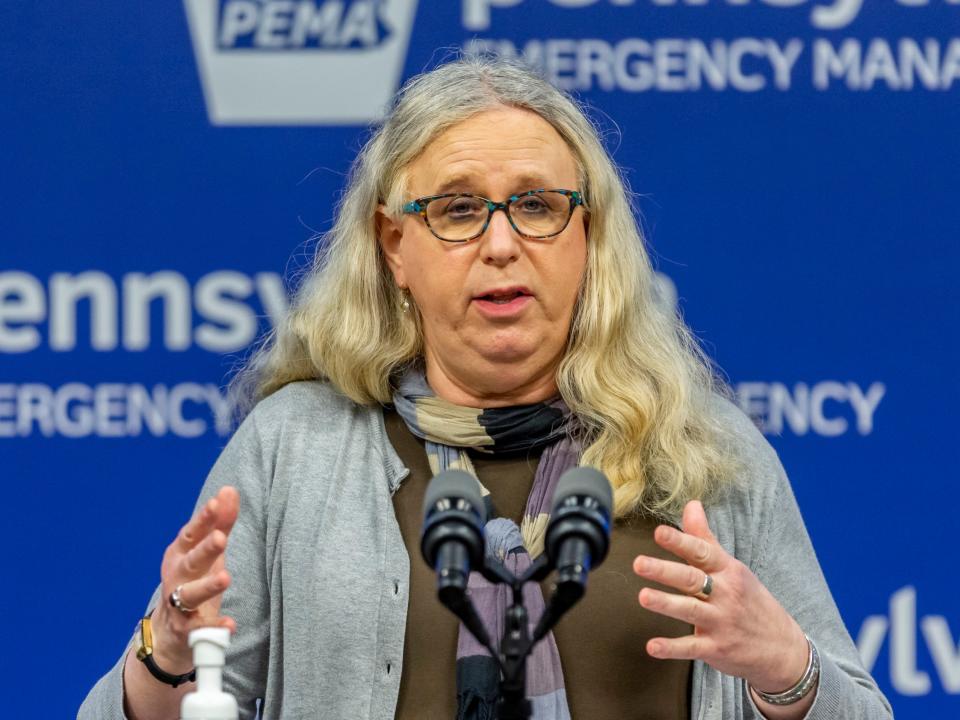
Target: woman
{"points": [[485, 301]]}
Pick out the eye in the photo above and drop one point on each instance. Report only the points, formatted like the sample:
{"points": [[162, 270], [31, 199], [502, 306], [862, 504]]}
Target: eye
{"points": [[463, 207], [532, 205]]}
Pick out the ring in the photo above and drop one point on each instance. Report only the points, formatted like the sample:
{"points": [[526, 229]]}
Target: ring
{"points": [[176, 602], [707, 588]]}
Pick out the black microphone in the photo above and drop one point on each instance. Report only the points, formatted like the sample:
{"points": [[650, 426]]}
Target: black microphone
{"points": [[452, 541], [577, 539]]}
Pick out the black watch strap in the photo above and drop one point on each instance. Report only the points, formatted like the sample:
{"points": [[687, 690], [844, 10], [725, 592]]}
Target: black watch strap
{"points": [[144, 644], [165, 677]]}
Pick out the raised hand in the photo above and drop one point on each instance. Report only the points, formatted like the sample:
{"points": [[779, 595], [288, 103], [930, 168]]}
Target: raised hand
{"points": [[194, 563], [739, 628]]}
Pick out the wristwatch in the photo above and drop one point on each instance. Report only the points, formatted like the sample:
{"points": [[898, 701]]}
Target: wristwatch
{"points": [[143, 640]]}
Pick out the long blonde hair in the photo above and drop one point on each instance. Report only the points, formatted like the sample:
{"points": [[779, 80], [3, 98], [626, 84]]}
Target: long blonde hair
{"points": [[633, 374]]}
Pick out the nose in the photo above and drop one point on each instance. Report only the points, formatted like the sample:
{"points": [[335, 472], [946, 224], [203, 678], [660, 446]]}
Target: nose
{"points": [[500, 244]]}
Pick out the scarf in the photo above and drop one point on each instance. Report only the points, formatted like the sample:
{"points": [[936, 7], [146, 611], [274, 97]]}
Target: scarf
{"points": [[449, 430]]}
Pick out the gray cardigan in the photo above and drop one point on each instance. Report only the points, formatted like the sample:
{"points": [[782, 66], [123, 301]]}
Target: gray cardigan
{"points": [[320, 571]]}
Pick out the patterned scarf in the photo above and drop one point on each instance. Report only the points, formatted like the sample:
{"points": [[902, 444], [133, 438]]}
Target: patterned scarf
{"points": [[448, 430]]}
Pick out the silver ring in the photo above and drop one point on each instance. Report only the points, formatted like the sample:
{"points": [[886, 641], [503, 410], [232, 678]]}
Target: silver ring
{"points": [[176, 602], [707, 588]]}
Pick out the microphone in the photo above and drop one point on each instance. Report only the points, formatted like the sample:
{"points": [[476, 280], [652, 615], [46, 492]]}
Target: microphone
{"points": [[452, 541], [577, 539]]}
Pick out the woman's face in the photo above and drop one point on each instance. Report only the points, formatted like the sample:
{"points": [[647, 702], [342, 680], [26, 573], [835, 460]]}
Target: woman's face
{"points": [[483, 348]]}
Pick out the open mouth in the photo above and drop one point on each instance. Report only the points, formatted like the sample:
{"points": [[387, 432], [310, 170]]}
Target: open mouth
{"points": [[502, 298]]}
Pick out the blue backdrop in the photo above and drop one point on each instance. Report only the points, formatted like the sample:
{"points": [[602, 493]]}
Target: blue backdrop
{"points": [[165, 167]]}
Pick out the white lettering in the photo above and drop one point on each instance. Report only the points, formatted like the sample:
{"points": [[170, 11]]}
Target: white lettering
{"points": [[224, 301], [146, 408], [79, 424], [33, 404], [951, 65], [275, 22], [78, 410], [838, 15], [65, 292], [862, 68], [866, 405], [109, 409], [239, 18], [316, 22], [822, 392], [21, 301], [665, 64], [879, 63], [139, 291], [946, 654], [904, 675], [792, 408], [213, 300], [359, 25], [8, 410], [783, 60], [740, 80], [826, 15], [924, 64], [775, 407], [828, 63], [179, 394]]}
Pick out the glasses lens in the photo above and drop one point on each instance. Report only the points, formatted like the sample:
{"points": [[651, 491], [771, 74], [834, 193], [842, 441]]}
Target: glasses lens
{"points": [[457, 218], [542, 213]]}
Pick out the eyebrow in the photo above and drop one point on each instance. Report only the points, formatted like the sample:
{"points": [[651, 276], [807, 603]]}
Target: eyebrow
{"points": [[467, 184]]}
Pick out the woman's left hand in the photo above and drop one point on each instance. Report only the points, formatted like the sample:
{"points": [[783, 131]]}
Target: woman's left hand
{"points": [[740, 629]]}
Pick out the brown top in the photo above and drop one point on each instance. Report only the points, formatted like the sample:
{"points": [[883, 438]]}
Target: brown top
{"points": [[602, 640]]}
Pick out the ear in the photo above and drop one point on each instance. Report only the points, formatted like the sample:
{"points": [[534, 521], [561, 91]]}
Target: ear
{"points": [[390, 236]]}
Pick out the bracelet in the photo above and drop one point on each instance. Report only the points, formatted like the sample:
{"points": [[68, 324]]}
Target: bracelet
{"points": [[804, 685]]}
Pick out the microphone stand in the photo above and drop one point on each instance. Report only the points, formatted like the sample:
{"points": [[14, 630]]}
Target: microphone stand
{"points": [[516, 644]]}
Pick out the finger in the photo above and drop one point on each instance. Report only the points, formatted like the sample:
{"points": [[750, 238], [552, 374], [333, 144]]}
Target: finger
{"points": [[685, 578], [201, 558], [198, 527], [228, 507], [706, 555], [688, 647], [679, 607], [196, 592], [695, 521]]}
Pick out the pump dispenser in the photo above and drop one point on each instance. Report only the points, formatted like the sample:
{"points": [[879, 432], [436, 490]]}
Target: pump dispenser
{"points": [[209, 702]]}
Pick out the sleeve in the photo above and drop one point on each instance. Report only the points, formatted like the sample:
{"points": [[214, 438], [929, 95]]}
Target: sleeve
{"points": [[787, 565], [248, 466]]}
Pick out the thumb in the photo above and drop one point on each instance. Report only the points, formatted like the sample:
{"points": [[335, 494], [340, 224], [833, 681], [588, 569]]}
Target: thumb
{"points": [[695, 521]]}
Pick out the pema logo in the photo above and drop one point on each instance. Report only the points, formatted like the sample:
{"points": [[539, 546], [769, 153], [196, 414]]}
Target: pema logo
{"points": [[299, 62]]}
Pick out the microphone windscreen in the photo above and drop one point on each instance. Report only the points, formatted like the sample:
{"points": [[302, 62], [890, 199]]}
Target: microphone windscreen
{"points": [[455, 484], [584, 481]]}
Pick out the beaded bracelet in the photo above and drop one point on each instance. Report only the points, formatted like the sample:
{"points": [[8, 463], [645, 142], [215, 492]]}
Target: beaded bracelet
{"points": [[803, 686]]}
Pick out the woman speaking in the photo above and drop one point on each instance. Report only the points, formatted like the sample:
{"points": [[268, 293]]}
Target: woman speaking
{"points": [[484, 302]]}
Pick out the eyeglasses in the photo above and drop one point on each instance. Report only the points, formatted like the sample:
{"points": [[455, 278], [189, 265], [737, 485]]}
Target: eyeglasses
{"points": [[459, 217]]}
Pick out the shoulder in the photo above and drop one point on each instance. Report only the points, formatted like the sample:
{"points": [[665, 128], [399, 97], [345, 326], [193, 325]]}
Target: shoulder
{"points": [[758, 490], [757, 464], [302, 416], [317, 398]]}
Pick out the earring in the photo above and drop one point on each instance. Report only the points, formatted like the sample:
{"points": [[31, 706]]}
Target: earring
{"points": [[405, 301]]}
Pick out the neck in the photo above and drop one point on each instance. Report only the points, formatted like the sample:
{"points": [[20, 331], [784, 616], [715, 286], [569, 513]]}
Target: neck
{"points": [[503, 387]]}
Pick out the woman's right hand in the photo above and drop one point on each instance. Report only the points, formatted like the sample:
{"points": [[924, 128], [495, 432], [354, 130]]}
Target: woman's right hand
{"points": [[195, 562]]}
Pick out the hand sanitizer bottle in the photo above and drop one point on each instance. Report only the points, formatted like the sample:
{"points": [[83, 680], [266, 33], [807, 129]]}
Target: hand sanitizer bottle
{"points": [[209, 702]]}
